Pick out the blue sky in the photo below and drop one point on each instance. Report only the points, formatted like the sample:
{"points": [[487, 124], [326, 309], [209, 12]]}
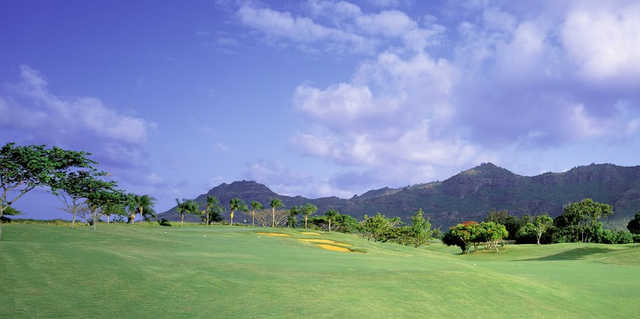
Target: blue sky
{"points": [[319, 97]]}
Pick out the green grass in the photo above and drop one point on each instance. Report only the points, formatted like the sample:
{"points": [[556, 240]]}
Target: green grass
{"points": [[140, 271]]}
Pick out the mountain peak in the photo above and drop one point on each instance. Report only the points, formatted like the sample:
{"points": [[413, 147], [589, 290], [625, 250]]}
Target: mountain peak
{"points": [[240, 187], [487, 170]]}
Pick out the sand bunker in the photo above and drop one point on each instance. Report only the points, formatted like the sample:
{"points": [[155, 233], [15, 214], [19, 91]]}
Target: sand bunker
{"points": [[334, 248], [309, 233], [274, 234], [323, 241]]}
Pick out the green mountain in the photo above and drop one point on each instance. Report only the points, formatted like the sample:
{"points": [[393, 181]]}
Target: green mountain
{"points": [[470, 195]]}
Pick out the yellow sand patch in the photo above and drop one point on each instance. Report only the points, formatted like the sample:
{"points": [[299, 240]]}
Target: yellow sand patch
{"points": [[274, 234], [334, 248], [323, 241], [309, 233]]}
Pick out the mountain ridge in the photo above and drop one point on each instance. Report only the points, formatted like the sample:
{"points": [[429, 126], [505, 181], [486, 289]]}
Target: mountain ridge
{"points": [[468, 195]]}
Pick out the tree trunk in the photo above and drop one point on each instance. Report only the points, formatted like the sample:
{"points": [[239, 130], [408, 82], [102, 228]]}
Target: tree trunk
{"points": [[231, 218], [253, 218], [133, 218], [1, 214], [108, 218], [181, 220], [94, 215], [141, 217], [305, 221], [273, 217], [540, 235], [329, 225]]}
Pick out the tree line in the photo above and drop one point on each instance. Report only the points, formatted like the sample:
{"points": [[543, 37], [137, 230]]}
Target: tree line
{"points": [[579, 222], [84, 189]]}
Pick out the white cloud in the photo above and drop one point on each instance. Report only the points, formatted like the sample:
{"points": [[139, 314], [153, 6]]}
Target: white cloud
{"points": [[603, 40], [83, 113], [285, 181], [31, 113], [301, 29]]}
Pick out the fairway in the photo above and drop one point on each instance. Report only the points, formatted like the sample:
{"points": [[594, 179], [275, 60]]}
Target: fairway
{"points": [[146, 271]]}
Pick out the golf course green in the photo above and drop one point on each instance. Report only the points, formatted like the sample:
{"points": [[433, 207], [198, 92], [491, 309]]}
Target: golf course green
{"points": [[147, 271]]}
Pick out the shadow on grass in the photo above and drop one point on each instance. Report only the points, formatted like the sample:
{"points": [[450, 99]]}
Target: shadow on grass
{"points": [[573, 254]]}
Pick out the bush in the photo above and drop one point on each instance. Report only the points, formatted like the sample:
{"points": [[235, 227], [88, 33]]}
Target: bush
{"points": [[636, 238], [164, 222], [607, 236]]}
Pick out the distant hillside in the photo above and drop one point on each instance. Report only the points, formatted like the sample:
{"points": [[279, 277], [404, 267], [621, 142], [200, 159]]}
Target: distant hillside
{"points": [[469, 195]]}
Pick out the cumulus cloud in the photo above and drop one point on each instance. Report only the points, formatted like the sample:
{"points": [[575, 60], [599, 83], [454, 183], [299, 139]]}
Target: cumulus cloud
{"points": [[347, 29], [602, 40], [31, 114], [510, 81], [301, 29]]}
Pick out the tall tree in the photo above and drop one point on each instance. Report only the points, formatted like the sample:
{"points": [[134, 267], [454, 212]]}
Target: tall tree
{"points": [[186, 207], [275, 204], [182, 210], [235, 204], [579, 220], [291, 219], [421, 228], [214, 209], [143, 206], [255, 205], [541, 223], [23, 168], [331, 215], [308, 210]]}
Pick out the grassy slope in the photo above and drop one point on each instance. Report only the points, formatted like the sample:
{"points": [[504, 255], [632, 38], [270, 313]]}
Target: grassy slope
{"points": [[230, 272]]}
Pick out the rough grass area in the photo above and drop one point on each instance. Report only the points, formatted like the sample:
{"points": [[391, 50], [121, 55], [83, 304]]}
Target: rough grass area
{"points": [[142, 271]]}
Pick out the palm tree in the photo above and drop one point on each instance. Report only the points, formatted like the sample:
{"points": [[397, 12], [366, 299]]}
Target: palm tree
{"points": [[214, 209], [182, 209], [132, 207], [255, 205], [275, 204], [308, 210], [191, 207], [293, 212], [235, 204], [207, 209], [144, 205], [331, 215]]}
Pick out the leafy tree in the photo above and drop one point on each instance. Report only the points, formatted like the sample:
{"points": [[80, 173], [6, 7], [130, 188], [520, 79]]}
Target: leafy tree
{"points": [[331, 215], [308, 210], [377, 227], [23, 168], [213, 210], [634, 225], [579, 221], [235, 204], [291, 219], [511, 223], [460, 235], [143, 205], [255, 205], [345, 223], [421, 229], [104, 196], [541, 223], [489, 232], [275, 204], [113, 208], [73, 190]]}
